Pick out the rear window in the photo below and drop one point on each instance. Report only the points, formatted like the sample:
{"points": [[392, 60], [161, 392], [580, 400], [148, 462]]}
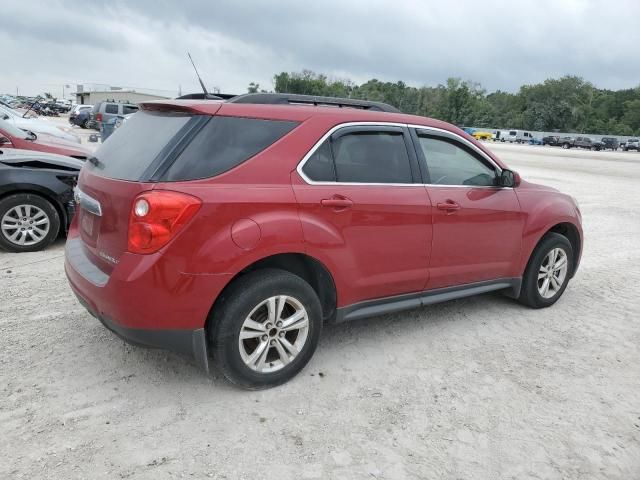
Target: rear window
{"points": [[132, 148], [223, 143], [111, 108]]}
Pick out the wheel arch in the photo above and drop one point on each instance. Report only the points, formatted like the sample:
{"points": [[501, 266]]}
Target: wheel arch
{"points": [[305, 266], [568, 230]]}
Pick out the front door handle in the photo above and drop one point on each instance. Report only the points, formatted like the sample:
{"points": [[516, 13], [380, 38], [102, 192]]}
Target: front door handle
{"points": [[449, 206], [337, 202]]}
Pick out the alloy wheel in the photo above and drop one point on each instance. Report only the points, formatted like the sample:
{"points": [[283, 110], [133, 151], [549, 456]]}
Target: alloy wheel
{"points": [[552, 273], [273, 334], [25, 225]]}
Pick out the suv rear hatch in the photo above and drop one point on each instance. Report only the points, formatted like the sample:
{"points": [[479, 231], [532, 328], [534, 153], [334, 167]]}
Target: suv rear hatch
{"points": [[122, 168], [161, 143]]}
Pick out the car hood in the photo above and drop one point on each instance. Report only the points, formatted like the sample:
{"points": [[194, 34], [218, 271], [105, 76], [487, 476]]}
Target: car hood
{"points": [[17, 158], [39, 126], [53, 141]]}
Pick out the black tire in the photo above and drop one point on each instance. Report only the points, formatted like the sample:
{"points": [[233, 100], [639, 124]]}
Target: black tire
{"points": [[33, 200], [85, 124], [565, 145], [529, 293], [235, 305]]}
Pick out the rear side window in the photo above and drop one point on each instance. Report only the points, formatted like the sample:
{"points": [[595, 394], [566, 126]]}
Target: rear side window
{"points": [[223, 143], [132, 148], [110, 108]]}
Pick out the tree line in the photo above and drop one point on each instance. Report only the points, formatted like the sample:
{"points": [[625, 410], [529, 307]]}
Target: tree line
{"points": [[566, 104]]}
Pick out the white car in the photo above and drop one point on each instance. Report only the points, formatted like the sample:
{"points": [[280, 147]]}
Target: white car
{"points": [[37, 125]]}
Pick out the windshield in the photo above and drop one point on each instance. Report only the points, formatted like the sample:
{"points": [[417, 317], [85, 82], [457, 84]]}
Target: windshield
{"points": [[12, 130]]}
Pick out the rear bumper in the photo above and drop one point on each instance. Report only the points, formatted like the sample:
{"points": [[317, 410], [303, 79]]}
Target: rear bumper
{"points": [[190, 343], [146, 301]]}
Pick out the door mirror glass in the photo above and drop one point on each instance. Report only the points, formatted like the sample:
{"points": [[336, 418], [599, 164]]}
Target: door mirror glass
{"points": [[509, 178]]}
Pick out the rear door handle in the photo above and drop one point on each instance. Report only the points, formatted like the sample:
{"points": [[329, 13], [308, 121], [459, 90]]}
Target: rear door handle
{"points": [[448, 206], [336, 202]]}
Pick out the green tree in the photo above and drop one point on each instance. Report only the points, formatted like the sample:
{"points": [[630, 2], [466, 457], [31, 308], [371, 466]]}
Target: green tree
{"points": [[568, 103]]}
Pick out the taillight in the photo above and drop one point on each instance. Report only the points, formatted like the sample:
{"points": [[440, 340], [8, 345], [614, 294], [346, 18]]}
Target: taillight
{"points": [[156, 217], [98, 117]]}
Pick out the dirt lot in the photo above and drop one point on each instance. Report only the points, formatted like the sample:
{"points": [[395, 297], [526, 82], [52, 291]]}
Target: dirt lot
{"points": [[480, 388]]}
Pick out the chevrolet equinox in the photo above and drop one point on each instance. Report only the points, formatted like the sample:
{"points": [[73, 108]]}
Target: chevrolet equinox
{"points": [[233, 230]]}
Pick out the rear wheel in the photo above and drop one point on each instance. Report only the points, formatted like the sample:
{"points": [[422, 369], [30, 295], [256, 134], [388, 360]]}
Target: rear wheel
{"points": [[265, 328], [548, 272], [565, 145], [28, 223]]}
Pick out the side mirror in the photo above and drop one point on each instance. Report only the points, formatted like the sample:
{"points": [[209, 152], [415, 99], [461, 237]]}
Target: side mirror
{"points": [[509, 178], [4, 140]]}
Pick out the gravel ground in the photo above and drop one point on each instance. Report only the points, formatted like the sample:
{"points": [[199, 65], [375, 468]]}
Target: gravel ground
{"points": [[480, 388]]}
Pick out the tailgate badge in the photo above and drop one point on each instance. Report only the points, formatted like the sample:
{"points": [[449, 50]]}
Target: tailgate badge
{"points": [[108, 257]]}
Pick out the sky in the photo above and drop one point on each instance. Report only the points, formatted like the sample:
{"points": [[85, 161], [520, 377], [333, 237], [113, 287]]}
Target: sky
{"points": [[143, 43]]}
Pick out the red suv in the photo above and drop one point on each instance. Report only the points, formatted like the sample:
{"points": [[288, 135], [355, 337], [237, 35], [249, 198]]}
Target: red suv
{"points": [[237, 229]]}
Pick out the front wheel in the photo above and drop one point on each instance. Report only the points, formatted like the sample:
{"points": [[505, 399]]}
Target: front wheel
{"points": [[265, 328], [28, 223], [548, 272]]}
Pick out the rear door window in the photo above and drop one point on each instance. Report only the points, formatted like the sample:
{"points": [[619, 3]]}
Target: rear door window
{"points": [[224, 143], [371, 157], [361, 155]]}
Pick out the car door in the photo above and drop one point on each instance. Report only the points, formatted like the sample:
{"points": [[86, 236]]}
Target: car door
{"points": [[365, 213], [477, 225]]}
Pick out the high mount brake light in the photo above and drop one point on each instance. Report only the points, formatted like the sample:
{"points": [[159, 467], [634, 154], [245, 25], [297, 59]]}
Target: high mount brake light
{"points": [[156, 217]]}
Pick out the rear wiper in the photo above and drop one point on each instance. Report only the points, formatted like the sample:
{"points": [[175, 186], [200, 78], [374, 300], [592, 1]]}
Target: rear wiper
{"points": [[94, 161]]}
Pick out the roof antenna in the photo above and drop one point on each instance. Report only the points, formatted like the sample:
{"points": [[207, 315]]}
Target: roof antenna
{"points": [[204, 89]]}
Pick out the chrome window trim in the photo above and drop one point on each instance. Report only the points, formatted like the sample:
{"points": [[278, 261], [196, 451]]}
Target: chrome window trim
{"points": [[335, 128]]}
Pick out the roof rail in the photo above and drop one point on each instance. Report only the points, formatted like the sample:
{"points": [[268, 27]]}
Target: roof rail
{"points": [[202, 96], [296, 99]]}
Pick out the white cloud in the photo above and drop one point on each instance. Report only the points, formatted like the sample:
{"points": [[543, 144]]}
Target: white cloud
{"points": [[143, 43]]}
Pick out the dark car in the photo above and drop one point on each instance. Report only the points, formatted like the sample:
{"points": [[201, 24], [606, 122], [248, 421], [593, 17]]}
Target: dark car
{"points": [[36, 198], [610, 143], [81, 117], [552, 140], [567, 142], [588, 143]]}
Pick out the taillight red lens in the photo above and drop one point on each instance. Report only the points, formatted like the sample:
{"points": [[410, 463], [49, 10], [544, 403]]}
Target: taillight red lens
{"points": [[156, 217], [99, 117]]}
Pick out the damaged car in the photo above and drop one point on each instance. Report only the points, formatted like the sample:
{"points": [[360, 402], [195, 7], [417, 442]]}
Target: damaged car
{"points": [[36, 198]]}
